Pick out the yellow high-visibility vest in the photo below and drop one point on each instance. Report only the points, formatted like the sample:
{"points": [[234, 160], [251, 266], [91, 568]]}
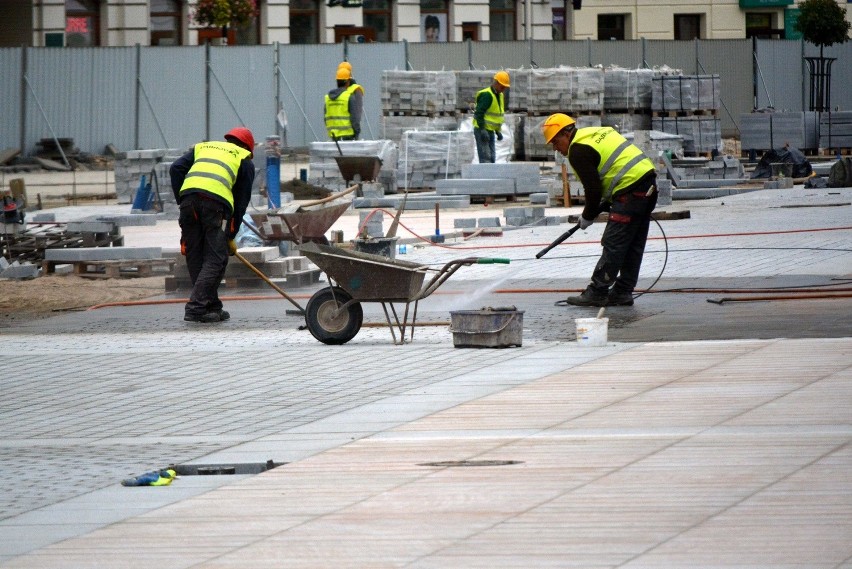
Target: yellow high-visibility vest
{"points": [[494, 114], [338, 121], [215, 169], [622, 163]]}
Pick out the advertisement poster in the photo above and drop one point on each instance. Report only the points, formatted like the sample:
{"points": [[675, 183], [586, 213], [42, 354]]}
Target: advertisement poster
{"points": [[433, 27]]}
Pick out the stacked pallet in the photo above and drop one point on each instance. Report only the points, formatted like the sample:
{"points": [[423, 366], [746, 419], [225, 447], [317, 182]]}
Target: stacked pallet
{"points": [[688, 105], [426, 156], [425, 93], [469, 83], [765, 131], [835, 130], [394, 126], [534, 145], [628, 97]]}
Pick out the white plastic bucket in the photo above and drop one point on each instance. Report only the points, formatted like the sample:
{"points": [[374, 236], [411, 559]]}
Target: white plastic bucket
{"points": [[592, 331]]}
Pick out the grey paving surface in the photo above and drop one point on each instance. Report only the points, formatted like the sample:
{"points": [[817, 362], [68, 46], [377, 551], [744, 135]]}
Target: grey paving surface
{"points": [[90, 398]]}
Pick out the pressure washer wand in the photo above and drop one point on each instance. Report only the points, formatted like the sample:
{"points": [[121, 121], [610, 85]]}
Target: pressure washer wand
{"points": [[559, 240]]}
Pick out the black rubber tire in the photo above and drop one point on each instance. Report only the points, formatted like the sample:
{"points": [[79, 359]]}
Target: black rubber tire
{"points": [[338, 330]]}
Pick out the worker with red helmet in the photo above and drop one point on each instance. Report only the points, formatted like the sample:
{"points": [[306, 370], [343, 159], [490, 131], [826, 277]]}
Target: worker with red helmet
{"points": [[212, 185], [488, 117], [617, 177]]}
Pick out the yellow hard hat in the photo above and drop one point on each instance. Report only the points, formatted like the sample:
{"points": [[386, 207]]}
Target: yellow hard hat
{"points": [[553, 124], [343, 74], [345, 64], [503, 78]]}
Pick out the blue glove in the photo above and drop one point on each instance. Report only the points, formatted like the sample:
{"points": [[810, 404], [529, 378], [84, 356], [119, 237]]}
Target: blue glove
{"points": [[584, 223]]}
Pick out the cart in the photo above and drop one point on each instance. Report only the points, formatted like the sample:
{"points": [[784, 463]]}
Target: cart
{"points": [[300, 226], [334, 314]]}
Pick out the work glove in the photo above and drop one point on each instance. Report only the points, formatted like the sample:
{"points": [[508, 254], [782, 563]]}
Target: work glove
{"points": [[232, 247], [499, 135], [584, 223]]}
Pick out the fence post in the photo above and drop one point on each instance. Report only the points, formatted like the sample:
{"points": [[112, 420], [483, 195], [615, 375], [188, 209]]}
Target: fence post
{"points": [[137, 88], [24, 50]]}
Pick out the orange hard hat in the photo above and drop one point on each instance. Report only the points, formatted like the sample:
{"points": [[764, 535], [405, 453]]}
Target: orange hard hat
{"points": [[243, 135], [554, 124], [503, 78], [343, 74]]}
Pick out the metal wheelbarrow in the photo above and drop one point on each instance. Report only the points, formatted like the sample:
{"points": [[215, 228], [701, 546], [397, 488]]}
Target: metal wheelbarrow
{"points": [[334, 315], [301, 223]]}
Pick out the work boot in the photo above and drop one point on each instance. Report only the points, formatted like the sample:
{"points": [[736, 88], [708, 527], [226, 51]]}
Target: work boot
{"points": [[211, 317], [590, 297], [193, 317], [224, 315], [619, 299]]}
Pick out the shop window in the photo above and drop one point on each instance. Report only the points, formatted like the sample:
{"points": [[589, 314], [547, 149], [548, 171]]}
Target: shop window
{"points": [[377, 15], [165, 22], [759, 25], [82, 23], [687, 26], [502, 19], [611, 26], [304, 21]]}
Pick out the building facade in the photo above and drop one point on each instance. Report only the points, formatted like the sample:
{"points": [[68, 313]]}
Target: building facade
{"points": [[72, 23]]}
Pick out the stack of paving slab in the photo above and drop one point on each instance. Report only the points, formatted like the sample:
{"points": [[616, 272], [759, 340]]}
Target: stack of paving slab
{"points": [[470, 82], [141, 259], [17, 270], [768, 130], [534, 145], [288, 272], [394, 126], [703, 173], [506, 179], [418, 92], [654, 143], [427, 156], [325, 172], [688, 105], [627, 97], [557, 89], [835, 130], [130, 166]]}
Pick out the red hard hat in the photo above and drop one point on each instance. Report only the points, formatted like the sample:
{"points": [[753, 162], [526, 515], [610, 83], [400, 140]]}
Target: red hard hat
{"points": [[243, 135]]}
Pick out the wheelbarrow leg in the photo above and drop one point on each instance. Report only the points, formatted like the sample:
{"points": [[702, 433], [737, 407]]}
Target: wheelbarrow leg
{"points": [[392, 324]]}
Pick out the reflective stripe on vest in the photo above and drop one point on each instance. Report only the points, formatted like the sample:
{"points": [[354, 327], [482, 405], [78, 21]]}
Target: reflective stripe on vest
{"points": [[621, 164], [494, 115], [338, 121], [215, 169]]}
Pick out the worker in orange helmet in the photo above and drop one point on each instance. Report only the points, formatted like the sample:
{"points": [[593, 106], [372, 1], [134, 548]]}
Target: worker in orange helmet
{"points": [[212, 185], [488, 117], [343, 106], [617, 177]]}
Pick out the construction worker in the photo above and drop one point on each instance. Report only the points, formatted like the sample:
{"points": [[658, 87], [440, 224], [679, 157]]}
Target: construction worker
{"points": [[343, 107], [617, 177], [488, 117], [212, 185]]}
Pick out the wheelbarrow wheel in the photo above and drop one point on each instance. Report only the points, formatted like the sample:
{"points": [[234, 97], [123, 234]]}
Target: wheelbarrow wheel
{"points": [[324, 324]]}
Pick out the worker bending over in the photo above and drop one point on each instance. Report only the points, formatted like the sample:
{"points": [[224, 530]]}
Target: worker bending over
{"points": [[212, 186], [616, 177]]}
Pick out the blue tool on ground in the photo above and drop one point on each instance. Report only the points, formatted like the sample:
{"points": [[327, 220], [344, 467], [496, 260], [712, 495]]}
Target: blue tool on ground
{"points": [[153, 478]]}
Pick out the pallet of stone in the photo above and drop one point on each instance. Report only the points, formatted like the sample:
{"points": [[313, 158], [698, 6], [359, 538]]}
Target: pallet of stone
{"points": [[395, 126], [701, 135], [133, 268], [558, 89], [835, 130], [534, 146], [628, 89], [685, 93], [627, 120], [426, 156], [525, 176], [418, 91], [765, 131], [469, 83]]}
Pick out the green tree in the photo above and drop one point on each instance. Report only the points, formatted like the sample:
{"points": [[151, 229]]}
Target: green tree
{"points": [[822, 23]]}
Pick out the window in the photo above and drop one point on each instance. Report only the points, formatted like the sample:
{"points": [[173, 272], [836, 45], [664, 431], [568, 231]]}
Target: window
{"points": [[434, 20], [611, 26], [304, 21], [687, 26], [82, 23], [377, 15], [759, 24], [558, 25], [165, 22], [502, 19]]}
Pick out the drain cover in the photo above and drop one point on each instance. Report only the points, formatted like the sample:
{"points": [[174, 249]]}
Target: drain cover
{"points": [[455, 463]]}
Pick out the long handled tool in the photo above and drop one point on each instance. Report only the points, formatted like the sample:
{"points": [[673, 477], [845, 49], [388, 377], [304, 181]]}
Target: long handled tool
{"points": [[257, 271], [559, 240]]}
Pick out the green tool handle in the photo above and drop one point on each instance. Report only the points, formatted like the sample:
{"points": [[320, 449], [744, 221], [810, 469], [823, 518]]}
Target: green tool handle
{"points": [[492, 260]]}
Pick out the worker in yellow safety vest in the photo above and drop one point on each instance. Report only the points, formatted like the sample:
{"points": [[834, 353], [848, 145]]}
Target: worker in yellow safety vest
{"points": [[212, 186], [617, 177], [488, 117], [343, 107]]}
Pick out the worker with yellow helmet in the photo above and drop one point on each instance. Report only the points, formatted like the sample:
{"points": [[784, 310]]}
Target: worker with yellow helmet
{"points": [[617, 177], [343, 106], [488, 117]]}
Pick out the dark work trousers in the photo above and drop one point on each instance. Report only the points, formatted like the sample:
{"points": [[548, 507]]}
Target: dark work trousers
{"points": [[485, 147], [624, 238], [202, 228]]}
